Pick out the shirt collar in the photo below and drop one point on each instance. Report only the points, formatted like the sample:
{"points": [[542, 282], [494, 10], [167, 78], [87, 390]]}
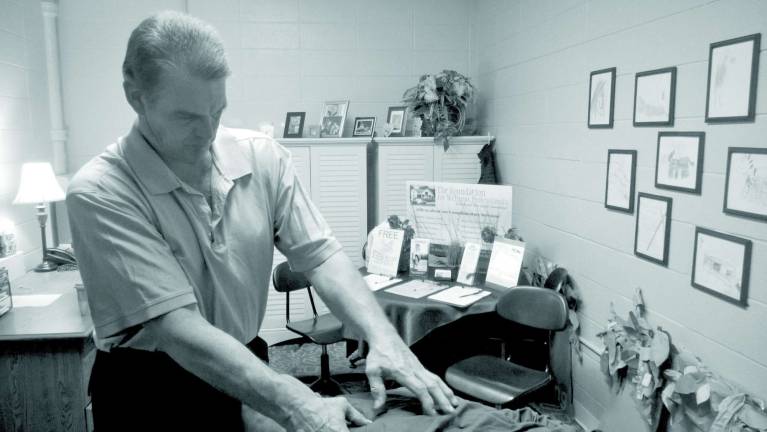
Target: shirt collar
{"points": [[159, 179], [229, 155]]}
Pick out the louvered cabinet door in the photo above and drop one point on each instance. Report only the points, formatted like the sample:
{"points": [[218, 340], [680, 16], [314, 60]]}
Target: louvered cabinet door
{"points": [[459, 164], [398, 164], [273, 328], [339, 190]]}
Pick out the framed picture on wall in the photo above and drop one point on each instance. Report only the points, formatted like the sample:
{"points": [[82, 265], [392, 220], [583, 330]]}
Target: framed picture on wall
{"points": [[364, 126], [679, 161], [721, 265], [294, 125], [653, 228], [745, 191], [397, 118], [733, 67], [333, 117], [654, 93], [621, 180], [601, 98]]}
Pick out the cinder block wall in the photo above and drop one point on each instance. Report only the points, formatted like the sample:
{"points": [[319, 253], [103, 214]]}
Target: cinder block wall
{"points": [[24, 119], [286, 55], [531, 61]]}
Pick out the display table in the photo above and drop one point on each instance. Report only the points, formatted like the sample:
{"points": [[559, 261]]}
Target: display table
{"points": [[46, 353]]}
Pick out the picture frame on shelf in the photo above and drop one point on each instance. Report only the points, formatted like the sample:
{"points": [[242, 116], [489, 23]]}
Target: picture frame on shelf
{"points": [[654, 96], [721, 265], [364, 126], [294, 125], [601, 98], [679, 161], [653, 228], [620, 180], [733, 69], [333, 118], [397, 119], [745, 190]]}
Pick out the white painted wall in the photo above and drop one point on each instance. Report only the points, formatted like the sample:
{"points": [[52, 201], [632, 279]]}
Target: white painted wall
{"points": [[531, 61], [286, 55], [24, 118]]}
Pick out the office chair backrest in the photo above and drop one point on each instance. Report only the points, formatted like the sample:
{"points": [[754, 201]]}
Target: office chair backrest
{"points": [[540, 308], [286, 280]]}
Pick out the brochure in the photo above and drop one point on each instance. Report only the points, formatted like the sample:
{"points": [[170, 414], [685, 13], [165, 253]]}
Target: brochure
{"points": [[505, 263], [419, 256], [376, 282], [469, 263], [460, 296], [384, 251], [416, 288]]}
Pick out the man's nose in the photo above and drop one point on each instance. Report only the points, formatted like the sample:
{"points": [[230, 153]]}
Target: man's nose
{"points": [[207, 128]]}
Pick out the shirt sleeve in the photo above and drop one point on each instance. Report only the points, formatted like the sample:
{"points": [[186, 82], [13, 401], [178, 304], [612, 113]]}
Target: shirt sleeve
{"points": [[301, 233], [128, 269]]}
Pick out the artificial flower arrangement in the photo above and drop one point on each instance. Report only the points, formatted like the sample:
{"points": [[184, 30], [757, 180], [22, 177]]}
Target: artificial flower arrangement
{"points": [[663, 376], [440, 101]]}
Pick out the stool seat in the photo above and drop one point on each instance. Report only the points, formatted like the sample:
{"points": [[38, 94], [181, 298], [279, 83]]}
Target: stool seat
{"points": [[493, 379], [324, 329]]}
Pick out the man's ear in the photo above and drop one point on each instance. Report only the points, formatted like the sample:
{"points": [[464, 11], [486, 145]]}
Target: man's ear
{"points": [[134, 96]]}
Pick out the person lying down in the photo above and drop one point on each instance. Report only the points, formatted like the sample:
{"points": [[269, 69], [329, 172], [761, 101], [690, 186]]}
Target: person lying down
{"points": [[403, 413]]}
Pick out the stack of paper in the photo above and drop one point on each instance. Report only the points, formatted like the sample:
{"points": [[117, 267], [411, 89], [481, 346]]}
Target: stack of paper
{"points": [[460, 296], [416, 288], [376, 282]]}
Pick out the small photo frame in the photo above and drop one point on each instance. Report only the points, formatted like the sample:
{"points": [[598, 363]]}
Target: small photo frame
{"points": [[653, 228], [294, 125], [621, 180], [364, 126], [733, 67], [745, 190], [601, 98], [654, 93], [679, 161], [333, 118], [721, 265], [397, 119]]}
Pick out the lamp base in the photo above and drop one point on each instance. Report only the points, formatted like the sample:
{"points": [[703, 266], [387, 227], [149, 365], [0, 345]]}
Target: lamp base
{"points": [[46, 266]]}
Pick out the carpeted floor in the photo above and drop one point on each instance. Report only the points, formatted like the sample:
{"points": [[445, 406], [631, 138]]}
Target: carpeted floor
{"points": [[303, 362]]}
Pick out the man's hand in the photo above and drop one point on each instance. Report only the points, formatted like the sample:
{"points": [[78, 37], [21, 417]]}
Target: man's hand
{"points": [[312, 412], [390, 358]]}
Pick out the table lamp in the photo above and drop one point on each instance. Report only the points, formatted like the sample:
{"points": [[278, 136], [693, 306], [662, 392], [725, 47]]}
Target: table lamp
{"points": [[39, 186]]}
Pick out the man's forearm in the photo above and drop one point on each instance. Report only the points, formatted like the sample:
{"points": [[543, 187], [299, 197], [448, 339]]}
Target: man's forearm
{"points": [[225, 363], [342, 288]]}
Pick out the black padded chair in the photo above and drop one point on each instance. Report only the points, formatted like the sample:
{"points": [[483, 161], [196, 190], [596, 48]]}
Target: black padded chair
{"points": [[500, 382], [321, 329]]}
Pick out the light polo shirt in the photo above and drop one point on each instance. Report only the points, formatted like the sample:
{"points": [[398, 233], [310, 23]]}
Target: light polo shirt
{"points": [[147, 243]]}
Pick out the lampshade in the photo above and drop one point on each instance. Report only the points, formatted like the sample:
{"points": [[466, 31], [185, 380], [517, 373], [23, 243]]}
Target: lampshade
{"points": [[38, 184]]}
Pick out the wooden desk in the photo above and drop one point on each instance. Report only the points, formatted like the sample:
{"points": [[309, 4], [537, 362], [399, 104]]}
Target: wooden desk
{"points": [[46, 354]]}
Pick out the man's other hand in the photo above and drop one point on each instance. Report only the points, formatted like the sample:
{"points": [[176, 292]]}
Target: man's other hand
{"points": [[390, 358]]}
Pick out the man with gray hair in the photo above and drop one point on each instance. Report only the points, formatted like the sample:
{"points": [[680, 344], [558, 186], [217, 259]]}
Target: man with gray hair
{"points": [[174, 226]]}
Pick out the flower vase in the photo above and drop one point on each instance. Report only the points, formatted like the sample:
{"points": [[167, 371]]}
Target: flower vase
{"points": [[427, 127]]}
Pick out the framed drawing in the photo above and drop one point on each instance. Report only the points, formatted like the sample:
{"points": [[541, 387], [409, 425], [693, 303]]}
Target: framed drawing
{"points": [[733, 67], [364, 126], [333, 117], [601, 98], [653, 228], [396, 118], [745, 190], [721, 265], [294, 125], [621, 180], [654, 93], [679, 161]]}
